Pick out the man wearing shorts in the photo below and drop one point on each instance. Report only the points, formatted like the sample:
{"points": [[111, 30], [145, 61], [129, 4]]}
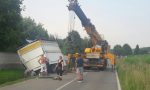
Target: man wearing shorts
{"points": [[79, 68], [42, 61]]}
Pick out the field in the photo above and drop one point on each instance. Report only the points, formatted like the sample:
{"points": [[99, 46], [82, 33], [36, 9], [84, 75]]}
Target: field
{"points": [[9, 75], [134, 72]]}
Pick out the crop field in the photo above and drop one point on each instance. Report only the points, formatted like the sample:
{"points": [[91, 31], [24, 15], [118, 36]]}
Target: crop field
{"points": [[134, 72]]}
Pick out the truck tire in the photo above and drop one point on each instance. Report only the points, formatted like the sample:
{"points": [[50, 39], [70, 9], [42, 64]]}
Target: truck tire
{"points": [[33, 73]]}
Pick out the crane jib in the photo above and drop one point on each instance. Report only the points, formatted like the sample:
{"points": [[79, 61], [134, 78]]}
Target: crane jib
{"points": [[76, 8], [89, 27]]}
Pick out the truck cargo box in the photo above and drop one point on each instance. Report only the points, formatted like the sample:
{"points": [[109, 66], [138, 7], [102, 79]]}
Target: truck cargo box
{"points": [[30, 54]]}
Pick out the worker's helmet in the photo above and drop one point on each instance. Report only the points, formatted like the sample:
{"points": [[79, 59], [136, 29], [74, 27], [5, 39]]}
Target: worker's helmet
{"points": [[76, 55]]}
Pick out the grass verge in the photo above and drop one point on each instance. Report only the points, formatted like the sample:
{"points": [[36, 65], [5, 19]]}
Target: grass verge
{"points": [[11, 75], [134, 72]]}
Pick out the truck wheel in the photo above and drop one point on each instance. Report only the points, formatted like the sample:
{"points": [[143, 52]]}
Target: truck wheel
{"points": [[32, 73], [26, 73]]}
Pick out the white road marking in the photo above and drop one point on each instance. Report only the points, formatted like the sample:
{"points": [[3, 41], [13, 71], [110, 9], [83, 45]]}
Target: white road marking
{"points": [[118, 82], [68, 83]]}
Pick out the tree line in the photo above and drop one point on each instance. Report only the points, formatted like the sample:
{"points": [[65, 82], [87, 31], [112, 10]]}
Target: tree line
{"points": [[126, 50], [73, 43]]}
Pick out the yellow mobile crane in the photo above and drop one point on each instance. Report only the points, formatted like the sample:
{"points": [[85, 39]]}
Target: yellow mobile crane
{"points": [[97, 55]]}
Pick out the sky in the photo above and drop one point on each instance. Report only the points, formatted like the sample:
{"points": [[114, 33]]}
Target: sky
{"points": [[118, 21]]}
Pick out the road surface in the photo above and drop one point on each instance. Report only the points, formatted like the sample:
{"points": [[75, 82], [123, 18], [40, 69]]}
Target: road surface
{"points": [[93, 80]]}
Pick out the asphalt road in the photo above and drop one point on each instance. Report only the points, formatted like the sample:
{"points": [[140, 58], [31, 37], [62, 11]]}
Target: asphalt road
{"points": [[93, 80]]}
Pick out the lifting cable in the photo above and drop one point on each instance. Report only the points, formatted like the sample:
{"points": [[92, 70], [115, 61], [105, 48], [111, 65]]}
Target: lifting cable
{"points": [[71, 24]]}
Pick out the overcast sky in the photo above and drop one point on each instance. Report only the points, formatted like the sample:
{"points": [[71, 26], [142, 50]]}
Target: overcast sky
{"points": [[120, 21]]}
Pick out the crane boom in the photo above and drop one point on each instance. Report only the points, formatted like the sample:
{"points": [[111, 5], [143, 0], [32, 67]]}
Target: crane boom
{"points": [[86, 23]]}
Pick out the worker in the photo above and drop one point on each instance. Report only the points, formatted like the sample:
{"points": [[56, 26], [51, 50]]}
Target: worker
{"points": [[113, 62], [69, 62], [73, 59], [42, 61], [59, 68], [79, 68]]}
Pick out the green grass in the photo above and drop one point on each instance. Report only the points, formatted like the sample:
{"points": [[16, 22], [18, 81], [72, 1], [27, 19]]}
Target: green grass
{"points": [[134, 72], [9, 75]]}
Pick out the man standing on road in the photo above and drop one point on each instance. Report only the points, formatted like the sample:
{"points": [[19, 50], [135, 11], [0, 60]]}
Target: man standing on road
{"points": [[59, 68], [79, 68], [42, 61]]}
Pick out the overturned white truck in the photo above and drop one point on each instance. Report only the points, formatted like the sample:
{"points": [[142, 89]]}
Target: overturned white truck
{"points": [[30, 54]]}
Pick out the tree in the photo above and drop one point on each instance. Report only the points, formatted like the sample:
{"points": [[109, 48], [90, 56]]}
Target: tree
{"points": [[127, 49], [69, 46], [33, 31], [137, 50], [74, 42], [10, 25], [144, 50], [52, 37], [86, 43], [118, 50]]}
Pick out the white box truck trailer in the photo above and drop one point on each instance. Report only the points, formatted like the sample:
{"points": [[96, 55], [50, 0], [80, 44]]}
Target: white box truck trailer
{"points": [[30, 54]]}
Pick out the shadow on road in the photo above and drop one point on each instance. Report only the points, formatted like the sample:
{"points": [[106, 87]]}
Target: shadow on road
{"points": [[98, 70]]}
